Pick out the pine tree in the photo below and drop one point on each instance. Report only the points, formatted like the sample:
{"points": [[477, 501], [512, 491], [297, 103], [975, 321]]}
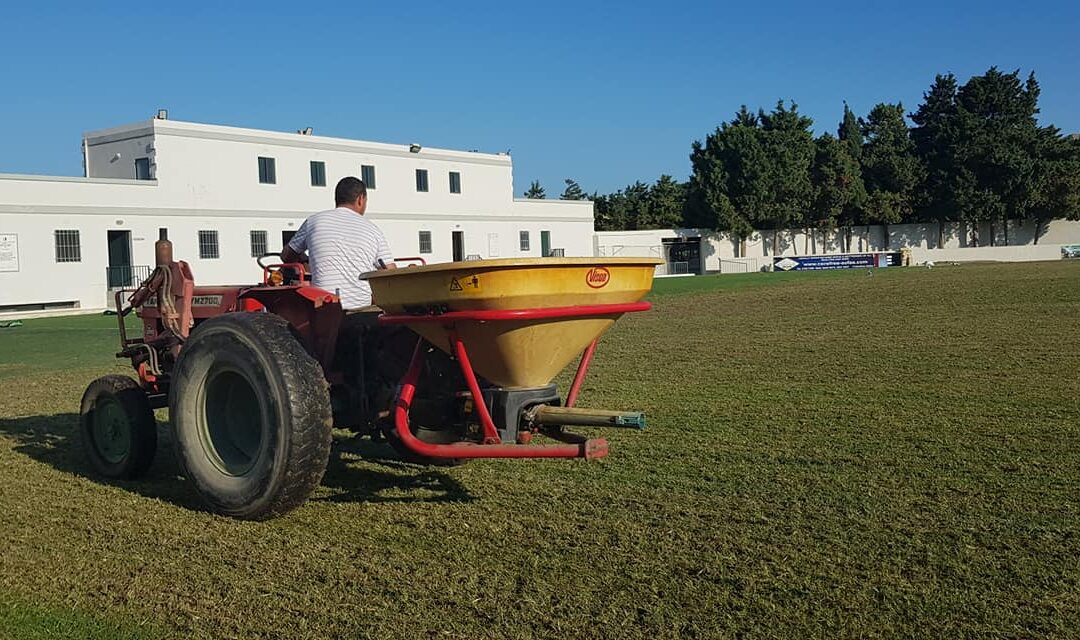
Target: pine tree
{"points": [[535, 192], [891, 170], [573, 191]]}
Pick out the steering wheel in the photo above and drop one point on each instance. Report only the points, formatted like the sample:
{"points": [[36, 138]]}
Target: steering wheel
{"points": [[288, 275], [259, 260]]}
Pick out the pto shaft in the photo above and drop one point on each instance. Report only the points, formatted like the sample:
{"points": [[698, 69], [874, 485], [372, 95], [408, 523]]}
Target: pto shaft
{"points": [[548, 416]]}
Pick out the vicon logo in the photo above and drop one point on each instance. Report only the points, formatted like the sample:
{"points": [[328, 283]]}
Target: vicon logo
{"points": [[597, 277]]}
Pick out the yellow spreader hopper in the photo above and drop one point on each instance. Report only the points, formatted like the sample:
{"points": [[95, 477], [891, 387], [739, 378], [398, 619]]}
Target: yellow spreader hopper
{"points": [[517, 323]]}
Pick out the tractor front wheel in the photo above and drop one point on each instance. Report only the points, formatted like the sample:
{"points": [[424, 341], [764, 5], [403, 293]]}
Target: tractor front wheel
{"points": [[250, 416], [117, 426]]}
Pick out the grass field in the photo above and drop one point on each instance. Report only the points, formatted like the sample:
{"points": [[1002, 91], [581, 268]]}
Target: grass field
{"points": [[829, 455]]}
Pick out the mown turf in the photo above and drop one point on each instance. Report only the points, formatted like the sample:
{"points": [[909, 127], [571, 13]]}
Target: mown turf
{"points": [[829, 455]]}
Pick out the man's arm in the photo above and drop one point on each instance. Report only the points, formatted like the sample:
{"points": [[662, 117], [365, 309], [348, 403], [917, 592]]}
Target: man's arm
{"points": [[288, 254], [296, 248]]}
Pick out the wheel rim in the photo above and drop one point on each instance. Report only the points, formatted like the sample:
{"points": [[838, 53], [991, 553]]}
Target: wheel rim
{"points": [[231, 422], [111, 430]]}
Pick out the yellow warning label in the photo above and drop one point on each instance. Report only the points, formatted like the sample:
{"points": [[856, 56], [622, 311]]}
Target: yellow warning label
{"points": [[469, 284]]}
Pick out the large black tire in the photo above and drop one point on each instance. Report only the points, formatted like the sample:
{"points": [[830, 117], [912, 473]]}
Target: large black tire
{"points": [[250, 413], [117, 427]]}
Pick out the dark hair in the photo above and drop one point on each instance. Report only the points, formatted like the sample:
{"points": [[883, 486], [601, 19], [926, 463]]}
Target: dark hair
{"points": [[348, 190]]}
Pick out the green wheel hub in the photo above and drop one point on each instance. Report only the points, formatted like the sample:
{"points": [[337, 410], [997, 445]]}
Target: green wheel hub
{"points": [[111, 430]]}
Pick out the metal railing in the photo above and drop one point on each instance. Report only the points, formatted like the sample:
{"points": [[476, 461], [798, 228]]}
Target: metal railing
{"points": [[126, 277]]}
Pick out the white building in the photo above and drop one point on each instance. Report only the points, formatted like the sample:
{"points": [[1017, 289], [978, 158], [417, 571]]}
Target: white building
{"points": [[225, 194]]}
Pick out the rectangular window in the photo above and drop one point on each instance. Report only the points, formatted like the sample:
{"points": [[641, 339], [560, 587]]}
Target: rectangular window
{"points": [[208, 245], [142, 169], [258, 243], [425, 242], [67, 245], [455, 182], [318, 173], [367, 174], [524, 240], [267, 171], [421, 180]]}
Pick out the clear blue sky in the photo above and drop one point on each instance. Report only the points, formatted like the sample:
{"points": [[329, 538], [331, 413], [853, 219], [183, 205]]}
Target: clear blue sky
{"points": [[606, 94]]}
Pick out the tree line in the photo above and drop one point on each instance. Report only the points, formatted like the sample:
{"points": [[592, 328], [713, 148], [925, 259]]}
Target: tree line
{"points": [[973, 153]]}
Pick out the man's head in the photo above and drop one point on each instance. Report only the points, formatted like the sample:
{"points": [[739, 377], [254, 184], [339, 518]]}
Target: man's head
{"points": [[351, 193]]}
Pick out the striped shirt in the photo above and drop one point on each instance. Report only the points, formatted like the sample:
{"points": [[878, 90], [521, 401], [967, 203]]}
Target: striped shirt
{"points": [[342, 244]]}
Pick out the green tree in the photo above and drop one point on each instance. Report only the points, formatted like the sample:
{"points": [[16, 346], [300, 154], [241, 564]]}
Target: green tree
{"points": [[535, 191], [1054, 186], [890, 168], [936, 140], [787, 191], [573, 191], [839, 193], [725, 184], [664, 205], [850, 133]]}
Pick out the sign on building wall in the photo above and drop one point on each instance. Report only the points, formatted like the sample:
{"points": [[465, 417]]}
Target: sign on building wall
{"points": [[9, 252], [842, 261]]}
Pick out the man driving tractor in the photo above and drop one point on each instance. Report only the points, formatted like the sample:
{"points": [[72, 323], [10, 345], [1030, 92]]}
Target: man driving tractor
{"points": [[341, 244]]}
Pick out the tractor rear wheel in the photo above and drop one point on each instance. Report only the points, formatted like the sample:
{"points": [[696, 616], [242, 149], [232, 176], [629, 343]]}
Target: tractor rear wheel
{"points": [[250, 416], [119, 433]]}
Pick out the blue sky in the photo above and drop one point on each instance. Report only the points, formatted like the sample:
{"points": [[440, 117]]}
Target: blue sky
{"points": [[604, 93]]}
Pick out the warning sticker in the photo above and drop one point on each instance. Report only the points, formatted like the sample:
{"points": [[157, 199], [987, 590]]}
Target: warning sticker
{"points": [[467, 284]]}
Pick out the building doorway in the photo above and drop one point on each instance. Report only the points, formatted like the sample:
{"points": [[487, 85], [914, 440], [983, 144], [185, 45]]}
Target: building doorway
{"points": [[458, 238], [545, 244], [120, 271], [286, 236], [683, 255]]}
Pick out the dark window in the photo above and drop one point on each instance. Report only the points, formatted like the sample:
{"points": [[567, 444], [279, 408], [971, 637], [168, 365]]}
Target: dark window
{"points": [[208, 245], [367, 174], [455, 182], [524, 240], [67, 245], [258, 243], [318, 173], [142, 169], [421, 180], [267, 171], [425, 242], [286, 236]]}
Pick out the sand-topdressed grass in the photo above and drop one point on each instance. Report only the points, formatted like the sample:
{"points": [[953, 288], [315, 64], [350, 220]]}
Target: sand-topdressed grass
{"points": [[833, 454]]}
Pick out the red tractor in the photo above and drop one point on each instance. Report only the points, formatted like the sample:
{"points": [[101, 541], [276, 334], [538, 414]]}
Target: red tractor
{"points": [[256, 377]]}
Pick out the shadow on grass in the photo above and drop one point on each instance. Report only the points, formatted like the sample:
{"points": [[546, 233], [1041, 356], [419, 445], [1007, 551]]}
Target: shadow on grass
{"points": [[54, 440]]}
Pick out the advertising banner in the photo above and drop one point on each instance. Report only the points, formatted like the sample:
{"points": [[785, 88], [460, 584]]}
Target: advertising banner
{"points": [[839, 261]]}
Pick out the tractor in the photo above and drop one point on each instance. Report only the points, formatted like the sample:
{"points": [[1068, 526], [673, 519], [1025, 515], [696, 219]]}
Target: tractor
{"points": [[455, 364]]}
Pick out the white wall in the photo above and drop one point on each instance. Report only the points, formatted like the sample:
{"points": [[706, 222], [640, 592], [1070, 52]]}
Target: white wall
{"points": [[718, 247]]}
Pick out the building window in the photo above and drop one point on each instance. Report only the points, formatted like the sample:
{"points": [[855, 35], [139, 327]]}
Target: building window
{"points": [[523, 239], [367, 174], [421, 180], [142, 169], [425, 242], [208, 245], [318, 173], [67, 245], [258, 243], [455, 182], [267, 171]]}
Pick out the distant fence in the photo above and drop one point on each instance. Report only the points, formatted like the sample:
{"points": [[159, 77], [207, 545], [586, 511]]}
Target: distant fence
{"points": [[126, 277]]}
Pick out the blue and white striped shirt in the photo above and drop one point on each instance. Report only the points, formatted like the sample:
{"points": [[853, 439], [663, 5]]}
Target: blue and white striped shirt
{"points": [[342, 244]]}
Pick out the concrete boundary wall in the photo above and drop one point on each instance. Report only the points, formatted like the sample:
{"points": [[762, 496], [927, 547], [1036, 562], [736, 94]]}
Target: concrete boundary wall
{"points": [[722, 253], [1029, 253]]}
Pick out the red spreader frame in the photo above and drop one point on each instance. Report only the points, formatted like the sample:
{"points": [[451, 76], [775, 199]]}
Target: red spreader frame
{"points": [[574, 446]]}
